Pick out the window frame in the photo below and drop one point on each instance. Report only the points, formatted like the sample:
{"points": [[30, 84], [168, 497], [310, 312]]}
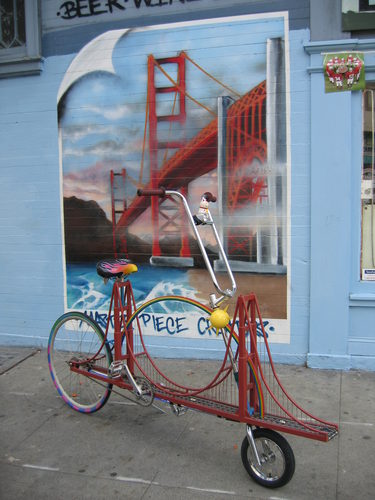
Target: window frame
{"points": [[370, 85], [25, 60], [364, 6]]}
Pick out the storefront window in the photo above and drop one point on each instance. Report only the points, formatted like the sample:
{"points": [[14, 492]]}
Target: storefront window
{"points": [[12, 24], [366, 5], [20, 47], [368, 186]]}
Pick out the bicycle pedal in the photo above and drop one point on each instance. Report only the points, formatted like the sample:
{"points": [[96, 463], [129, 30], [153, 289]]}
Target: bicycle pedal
{"points": [[178, 409], [115, 369]]}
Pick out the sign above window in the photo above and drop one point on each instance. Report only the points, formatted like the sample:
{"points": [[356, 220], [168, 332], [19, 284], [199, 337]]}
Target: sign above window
{"points": [[58, 14]]}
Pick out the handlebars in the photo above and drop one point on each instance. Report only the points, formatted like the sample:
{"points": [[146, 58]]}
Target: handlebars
{"points": [[203, 217], [151, 192]]}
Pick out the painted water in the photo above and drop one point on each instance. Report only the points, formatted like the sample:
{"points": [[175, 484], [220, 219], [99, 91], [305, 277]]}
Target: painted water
{"points": [[87, 291]]}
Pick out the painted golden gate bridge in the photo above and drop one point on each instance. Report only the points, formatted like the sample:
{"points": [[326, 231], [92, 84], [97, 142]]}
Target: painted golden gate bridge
{"points": [[245, 142]]}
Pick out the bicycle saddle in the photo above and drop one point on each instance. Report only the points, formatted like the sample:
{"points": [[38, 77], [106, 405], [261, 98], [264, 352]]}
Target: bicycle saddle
{"points": [[112, 268]]}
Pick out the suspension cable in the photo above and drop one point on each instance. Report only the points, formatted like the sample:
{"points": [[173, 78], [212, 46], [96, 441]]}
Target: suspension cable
{"points": [[211, 76]]}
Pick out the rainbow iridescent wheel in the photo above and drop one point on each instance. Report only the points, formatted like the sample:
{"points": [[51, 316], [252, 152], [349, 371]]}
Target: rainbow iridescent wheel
{"points": [[76, 336]]}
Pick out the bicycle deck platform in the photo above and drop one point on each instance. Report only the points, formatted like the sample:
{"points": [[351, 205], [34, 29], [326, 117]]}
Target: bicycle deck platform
{"points": [[309, 429]]}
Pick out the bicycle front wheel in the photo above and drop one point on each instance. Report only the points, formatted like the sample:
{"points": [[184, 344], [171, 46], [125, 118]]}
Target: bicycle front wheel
{"points": [[75, 335], [276, 456]]}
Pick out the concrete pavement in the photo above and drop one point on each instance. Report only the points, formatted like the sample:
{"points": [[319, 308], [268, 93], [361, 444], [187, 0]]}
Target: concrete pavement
{"points": [[125, 451]]}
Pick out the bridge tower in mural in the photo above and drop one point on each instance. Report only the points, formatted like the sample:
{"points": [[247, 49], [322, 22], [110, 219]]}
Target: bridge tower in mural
{"points": [[253, 142]]}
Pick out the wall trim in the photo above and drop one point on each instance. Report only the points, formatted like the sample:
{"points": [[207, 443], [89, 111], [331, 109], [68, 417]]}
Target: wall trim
{"points": [[354, 44], [322, 48], [363, 363], [328, 361], [31, 66], [343, 362], [362, 300], [361, 346]]}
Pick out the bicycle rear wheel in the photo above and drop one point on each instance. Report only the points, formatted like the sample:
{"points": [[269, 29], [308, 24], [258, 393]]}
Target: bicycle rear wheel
{"points": [[77, 336]]}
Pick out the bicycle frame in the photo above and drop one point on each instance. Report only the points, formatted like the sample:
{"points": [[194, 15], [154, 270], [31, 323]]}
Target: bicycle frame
{"points": [[245, 388], [252, 384]]}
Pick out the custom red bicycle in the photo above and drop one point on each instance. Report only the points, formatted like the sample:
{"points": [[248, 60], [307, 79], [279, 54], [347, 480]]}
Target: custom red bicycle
{"points": [[87, 363]]}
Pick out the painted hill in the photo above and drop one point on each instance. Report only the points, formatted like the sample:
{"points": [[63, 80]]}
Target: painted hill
{"points": [[88, 232], [88, 237]]}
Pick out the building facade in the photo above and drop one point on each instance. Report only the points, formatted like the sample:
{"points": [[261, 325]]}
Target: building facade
{"points": [[100, 98]]}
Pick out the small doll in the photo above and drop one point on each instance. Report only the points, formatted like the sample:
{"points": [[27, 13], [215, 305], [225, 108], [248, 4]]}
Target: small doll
{"points": [[203, 215]]}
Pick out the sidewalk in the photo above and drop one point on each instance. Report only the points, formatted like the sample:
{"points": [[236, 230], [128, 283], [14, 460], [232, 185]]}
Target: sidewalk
{"points": [[125, 451]]}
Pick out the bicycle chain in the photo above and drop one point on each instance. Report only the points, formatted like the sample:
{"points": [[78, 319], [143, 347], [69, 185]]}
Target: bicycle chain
{"points": [[127, 397]]}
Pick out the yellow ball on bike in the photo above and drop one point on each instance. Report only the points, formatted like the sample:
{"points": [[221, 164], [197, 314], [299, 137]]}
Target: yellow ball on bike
{"points": [[219, 318]]}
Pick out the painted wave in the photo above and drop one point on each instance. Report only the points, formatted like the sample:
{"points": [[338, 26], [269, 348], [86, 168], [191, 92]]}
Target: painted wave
{"points": [[87, 291]]}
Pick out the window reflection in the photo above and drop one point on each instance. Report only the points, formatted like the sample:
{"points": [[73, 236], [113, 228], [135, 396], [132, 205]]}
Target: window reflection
{"points": [[368, 185]]}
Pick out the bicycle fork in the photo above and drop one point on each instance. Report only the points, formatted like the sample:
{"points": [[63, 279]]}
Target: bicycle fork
{"points": [[250, 438]]}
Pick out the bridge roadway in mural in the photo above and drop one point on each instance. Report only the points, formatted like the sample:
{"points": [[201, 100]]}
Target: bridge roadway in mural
{"points": [[246, 135]]}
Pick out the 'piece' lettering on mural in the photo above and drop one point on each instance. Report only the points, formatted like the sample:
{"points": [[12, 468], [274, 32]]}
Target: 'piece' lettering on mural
{"points": [[162, 323], [158, 323]]}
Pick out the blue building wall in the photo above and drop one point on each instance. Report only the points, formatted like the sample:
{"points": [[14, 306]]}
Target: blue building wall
{"points": [[342, 311], [332, 313], [31, 281]]}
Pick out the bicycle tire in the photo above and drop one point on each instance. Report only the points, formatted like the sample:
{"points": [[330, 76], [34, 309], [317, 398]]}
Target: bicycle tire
{"points": [[76, 335], [275, 453]]}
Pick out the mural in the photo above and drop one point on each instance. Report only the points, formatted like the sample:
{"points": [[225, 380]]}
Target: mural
{"points": [[193, 107]]}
